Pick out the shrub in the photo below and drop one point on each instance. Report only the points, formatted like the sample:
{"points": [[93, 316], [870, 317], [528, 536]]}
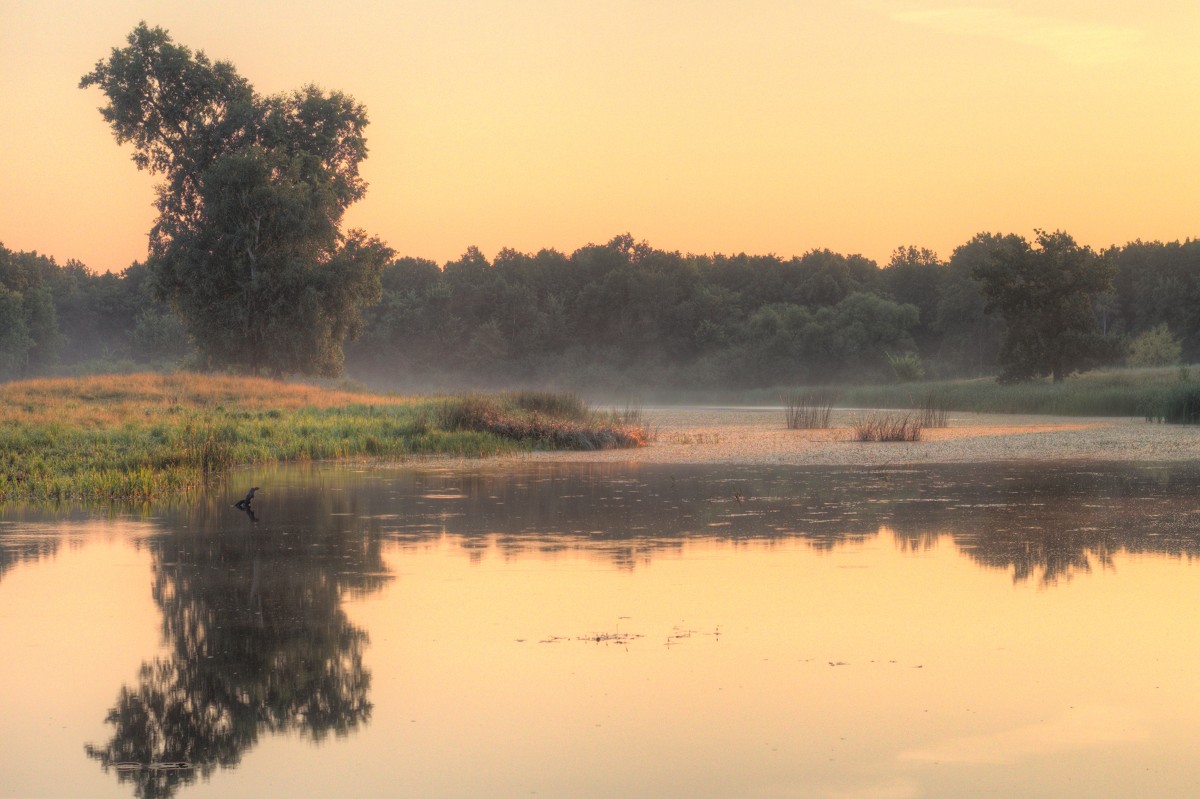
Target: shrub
{"points": [[1155, 347], [907, 367]]}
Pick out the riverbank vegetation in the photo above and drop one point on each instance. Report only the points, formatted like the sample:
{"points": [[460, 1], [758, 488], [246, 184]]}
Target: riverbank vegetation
{"points": [[1112, 392], [1144, 392], [144, 436]]}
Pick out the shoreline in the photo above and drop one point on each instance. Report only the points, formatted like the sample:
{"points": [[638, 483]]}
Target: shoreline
{"points": [[758, 436]]}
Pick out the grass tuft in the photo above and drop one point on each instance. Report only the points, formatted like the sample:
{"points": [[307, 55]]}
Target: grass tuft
{"points": [[805, 410], [886, 427]]}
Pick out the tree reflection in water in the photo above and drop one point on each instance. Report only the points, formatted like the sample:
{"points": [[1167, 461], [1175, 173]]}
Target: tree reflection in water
{"points": [[32, 533], [1042, 521], [258, 642], [252, 613]]}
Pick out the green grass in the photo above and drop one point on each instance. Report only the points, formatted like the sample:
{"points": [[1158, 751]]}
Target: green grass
{"points": [[1116, 392], [1177, 405], [144, 437]]}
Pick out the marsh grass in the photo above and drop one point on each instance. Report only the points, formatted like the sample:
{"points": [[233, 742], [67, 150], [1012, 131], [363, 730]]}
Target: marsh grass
{"points": [[632, 417], [148, 436], [1111, 392], [886, 427], [805, 410], [933, 409], [1114, 392], [568, 424], [564, 404], [1179, 404]]}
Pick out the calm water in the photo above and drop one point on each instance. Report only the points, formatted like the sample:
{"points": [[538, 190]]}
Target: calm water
{"points": [[600, 631]]}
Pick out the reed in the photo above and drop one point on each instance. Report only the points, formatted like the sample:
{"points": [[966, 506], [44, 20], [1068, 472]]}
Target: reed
{"points": [[886, 427], [933, 409], [1176, 405], [805, 410]]}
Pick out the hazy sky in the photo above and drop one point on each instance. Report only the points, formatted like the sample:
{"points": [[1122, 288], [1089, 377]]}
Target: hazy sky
{"points": [[700, 126]]}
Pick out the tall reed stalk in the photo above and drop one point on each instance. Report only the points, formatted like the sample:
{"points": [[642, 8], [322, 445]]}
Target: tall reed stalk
{"points": [[804, 410], [933, 410]]}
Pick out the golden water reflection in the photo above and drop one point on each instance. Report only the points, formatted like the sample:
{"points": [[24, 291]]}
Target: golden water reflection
{"points": [[611, 630]]}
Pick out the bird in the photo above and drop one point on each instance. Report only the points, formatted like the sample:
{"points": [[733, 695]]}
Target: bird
{"points": [[244, 504]]}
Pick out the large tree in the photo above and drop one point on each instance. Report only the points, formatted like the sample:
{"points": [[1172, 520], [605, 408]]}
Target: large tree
{"points": [[1044, 294], [248, 246]]}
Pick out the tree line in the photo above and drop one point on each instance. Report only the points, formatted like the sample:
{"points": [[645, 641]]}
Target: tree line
{"points": [[625, 314], [249, 270]]}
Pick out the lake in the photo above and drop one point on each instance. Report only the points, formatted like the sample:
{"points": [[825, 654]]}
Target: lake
{"points": [[575, 630]]}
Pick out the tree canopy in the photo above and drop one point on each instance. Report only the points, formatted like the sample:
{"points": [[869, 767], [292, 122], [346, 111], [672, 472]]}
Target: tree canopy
{"points": [[1045, 295], [248, 246], [614, 317]]}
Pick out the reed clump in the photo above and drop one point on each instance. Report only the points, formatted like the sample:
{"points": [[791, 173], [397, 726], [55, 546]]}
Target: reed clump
{"points": [[569, 425], [806, 410], [886, 427]]}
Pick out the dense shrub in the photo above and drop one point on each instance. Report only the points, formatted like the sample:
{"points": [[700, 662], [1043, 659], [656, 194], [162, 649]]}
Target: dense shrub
{"points": [[1155, 347]]}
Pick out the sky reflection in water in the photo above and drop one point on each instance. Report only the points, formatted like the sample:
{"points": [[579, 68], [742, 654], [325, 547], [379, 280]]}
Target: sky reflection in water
{"points": [[611, 630]]}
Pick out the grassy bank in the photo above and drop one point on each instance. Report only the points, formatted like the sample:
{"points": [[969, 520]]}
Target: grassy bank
{"points": [[1117, 392], [139, 437]]}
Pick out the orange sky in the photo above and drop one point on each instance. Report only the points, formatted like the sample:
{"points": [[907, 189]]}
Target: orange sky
{"points": [[697, 125]]}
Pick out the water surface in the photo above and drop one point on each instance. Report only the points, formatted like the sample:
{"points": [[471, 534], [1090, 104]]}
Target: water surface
{"points": [[573, 630]]}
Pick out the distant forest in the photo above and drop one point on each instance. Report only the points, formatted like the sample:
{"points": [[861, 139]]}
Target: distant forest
{"points": [[621, 316]]}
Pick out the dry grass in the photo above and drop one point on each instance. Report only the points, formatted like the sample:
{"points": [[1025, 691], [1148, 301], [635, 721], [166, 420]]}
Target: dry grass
{"points": [[804, 410], [886, 427], [112, 400]]}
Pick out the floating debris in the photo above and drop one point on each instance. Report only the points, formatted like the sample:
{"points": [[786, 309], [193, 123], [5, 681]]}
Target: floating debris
{"points": [[607, 638]]}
